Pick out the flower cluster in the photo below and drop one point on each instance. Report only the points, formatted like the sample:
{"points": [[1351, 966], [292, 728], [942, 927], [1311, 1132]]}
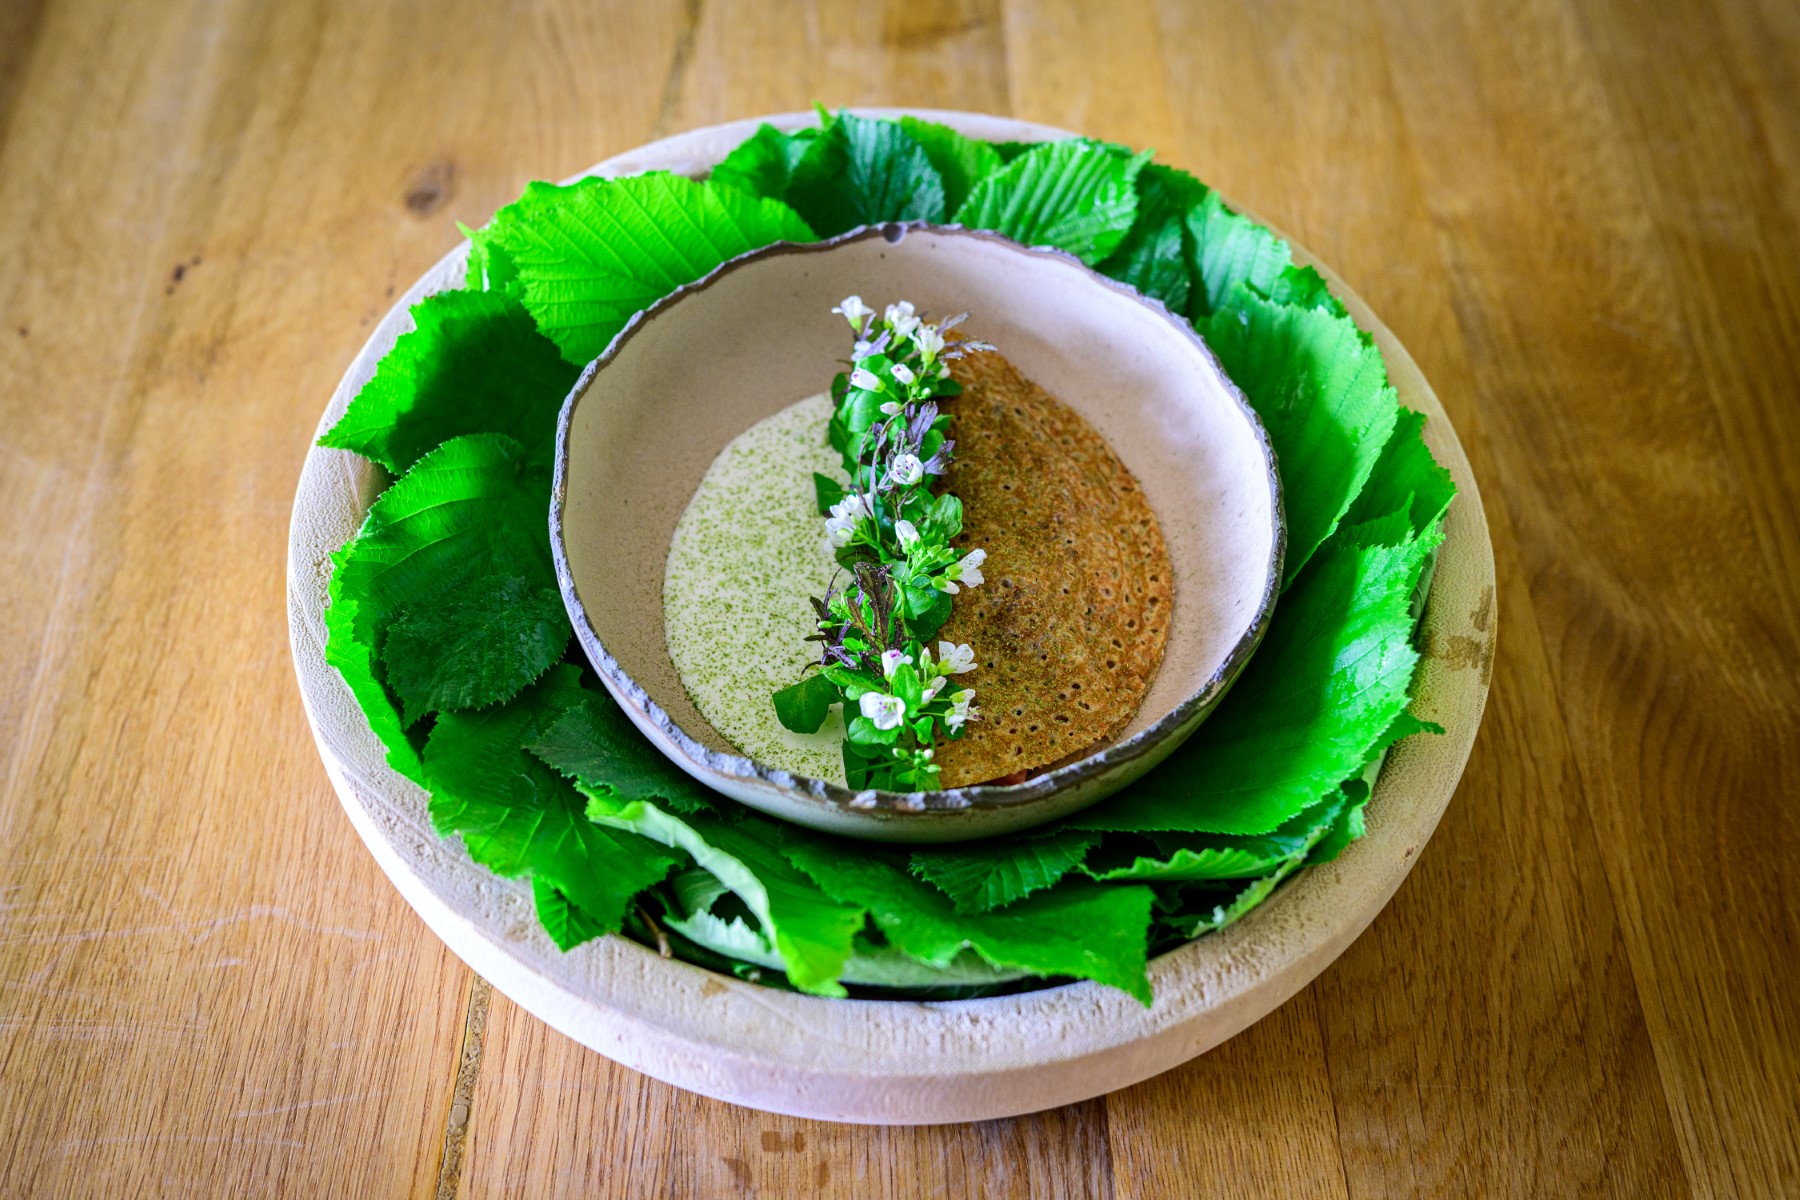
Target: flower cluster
{"points": [[893, 534]]}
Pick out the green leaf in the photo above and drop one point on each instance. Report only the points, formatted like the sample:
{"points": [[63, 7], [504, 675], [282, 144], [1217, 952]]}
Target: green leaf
{"points": [[489, 269], [1076, 195], [1330, 678], [804, 706], [476, 645], [961, 162], [1225, 250], [982, 876], [1153, 258], [826, 492], [763, 163], [1304, 287], [1323, 396], [473, 363], [1346, 826], [860, 171], [1193, 919], [1011, 150], [466, 518], [595, 744], [1207, 862], [355, 659], [517, 817], [566, 924], [1405, 479], [1087, 931], [812, 931], [595, 253]]}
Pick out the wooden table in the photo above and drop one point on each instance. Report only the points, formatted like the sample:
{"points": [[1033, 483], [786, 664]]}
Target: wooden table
{"points": [[1582, 216]]}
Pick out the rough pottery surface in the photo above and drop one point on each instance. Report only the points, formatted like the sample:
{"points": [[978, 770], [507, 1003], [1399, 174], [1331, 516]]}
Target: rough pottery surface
{"points": [[698, 367], [878, 1061]]}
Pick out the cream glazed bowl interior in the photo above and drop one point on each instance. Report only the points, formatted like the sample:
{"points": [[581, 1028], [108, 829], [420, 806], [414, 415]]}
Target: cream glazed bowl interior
{"points": [[688, 375]]}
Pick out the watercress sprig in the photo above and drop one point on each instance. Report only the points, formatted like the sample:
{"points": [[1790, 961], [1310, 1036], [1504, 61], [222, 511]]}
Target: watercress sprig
{"points": [[892, 534]]}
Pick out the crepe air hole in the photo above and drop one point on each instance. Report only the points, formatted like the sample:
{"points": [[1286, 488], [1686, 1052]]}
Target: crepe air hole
{"points": [[1018, 712], [1062, 696], [1116, 642], [1112, 664], [1018, 750], [1031, 729], [1085, 706], [1062, 718], [1074, 687]]}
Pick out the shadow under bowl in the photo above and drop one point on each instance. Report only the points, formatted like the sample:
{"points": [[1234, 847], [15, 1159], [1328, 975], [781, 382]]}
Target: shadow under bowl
{"points": [[688, 375]]}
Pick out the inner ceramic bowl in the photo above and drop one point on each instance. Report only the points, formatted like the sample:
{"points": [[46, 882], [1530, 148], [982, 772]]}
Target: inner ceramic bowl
{"points": [[695, 370]]}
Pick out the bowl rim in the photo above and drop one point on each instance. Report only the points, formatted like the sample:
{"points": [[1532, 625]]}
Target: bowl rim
{"points": [[693, 756]]}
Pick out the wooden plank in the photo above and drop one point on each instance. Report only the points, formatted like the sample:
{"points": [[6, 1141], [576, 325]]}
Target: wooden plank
{"points": [[552, 1118], [1574, 212], [1662, 618], [206, 986]]}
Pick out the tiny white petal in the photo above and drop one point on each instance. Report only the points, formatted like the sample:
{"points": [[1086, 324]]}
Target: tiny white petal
{"points": [[893, 408], [884, 712], [891, 660], [934, 687], [907, 532], [907, 470], [902, 372], [929, 341], [955, 660], [865, 379]]}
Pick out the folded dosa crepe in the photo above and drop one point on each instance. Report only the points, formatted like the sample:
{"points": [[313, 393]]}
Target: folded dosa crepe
{"points": [[1070, 626]]}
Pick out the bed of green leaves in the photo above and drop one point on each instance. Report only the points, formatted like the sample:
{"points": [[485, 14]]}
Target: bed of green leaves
{"points": [[444, 617]]}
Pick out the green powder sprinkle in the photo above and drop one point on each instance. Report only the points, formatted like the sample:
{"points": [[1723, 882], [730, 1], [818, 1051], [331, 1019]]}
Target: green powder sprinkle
{"points": [[746, 554]]}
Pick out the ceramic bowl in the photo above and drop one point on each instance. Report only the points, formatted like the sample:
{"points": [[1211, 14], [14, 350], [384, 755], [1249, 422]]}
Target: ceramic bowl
{"points": [[695, 370]]}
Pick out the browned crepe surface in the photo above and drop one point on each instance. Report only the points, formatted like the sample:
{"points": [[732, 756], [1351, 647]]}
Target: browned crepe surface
{"points": [[1069, 627]]}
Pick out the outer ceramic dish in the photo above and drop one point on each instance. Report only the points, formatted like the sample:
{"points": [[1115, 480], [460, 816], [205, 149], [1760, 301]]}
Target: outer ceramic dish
{"points": [[877, 1061], [694, 370]]}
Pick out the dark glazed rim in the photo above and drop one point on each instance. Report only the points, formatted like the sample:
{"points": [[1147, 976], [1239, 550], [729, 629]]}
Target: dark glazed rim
{"points": [[884, 804]]}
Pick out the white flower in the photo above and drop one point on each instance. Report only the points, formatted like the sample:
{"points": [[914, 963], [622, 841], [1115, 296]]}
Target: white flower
{"points": [[955, 660], [929, 341], [902, 372], [943, 370], [841, 524], [884, 712], [907, 532], [865, 379], [861, 350], [891, 660], [907, 470], [969, 569], [959, 709], [900, 318], [854, 311], [934, 687], [893, 408]]}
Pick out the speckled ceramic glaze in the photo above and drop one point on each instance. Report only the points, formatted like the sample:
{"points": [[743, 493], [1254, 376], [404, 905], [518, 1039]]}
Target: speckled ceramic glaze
{"points": [[891, 1061], [697, 368]]}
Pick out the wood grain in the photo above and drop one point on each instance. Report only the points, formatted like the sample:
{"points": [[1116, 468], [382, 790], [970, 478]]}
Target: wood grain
{"points": [[1580, 215]]}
